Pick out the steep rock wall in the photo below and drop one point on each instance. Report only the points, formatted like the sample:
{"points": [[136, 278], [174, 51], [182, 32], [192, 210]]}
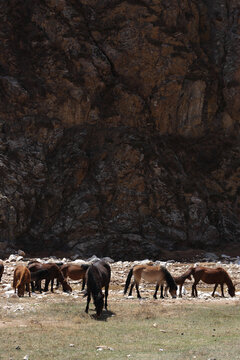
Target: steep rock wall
{"points": [[119, 125]]}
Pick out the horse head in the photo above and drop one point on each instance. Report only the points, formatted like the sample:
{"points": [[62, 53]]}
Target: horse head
{"points": [[231, 290], [98, 302], [66, 286], [173, 292]]}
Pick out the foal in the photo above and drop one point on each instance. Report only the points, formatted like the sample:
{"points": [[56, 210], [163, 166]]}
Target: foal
{"points": [[152, 274], [98, 275], [179, 280]]}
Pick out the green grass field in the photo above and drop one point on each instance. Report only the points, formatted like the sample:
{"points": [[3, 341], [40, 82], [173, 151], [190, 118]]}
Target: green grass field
{"points": [[133, 330]]}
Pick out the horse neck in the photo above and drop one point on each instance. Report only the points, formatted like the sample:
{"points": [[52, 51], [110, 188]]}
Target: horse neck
{"points": [[94, 285], [228, 281], [169, 279]]}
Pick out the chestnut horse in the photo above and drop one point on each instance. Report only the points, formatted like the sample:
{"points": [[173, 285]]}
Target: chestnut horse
{"points": [[21, 277], [179, 280], [53, 273], [75, 272], [98, 275], [151, 274], [217, 276], [1, 269]]}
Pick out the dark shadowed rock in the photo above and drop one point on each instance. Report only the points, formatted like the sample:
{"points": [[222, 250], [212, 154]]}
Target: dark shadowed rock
{"points": [[119, 127]]}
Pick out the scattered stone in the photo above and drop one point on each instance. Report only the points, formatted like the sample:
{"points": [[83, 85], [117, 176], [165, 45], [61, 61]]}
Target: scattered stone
{"points": [[71, 345], [210, 257], [108, 259], [94, 258], [104, 347], [18, 347], [21, 253], [12, 257]]}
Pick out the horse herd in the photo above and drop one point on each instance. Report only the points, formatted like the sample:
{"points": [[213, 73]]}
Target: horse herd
{"points": [[98, 274]]}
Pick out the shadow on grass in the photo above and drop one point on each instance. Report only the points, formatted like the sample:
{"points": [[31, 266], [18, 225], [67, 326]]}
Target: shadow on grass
{"points": [[104, 316]]}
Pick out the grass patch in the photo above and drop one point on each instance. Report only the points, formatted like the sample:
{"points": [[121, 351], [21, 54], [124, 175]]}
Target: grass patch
{"points": [[138, 329]]}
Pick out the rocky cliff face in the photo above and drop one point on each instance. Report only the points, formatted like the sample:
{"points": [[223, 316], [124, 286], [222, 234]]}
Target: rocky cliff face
{"points": [[119, 126]]}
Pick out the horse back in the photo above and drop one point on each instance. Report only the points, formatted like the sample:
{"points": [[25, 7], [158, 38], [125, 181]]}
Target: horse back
{"points": [[74, 271], [211, 275], [148, 273], [98, 274]]}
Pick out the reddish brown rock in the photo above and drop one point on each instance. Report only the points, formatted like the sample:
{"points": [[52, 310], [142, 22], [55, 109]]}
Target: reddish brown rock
{"points": [[119, 126]]}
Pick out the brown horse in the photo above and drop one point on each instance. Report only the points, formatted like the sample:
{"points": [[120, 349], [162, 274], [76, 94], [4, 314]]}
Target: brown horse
{"points": [[151, 274], [75, 272], [21, 277], [98, 275], [179, 280], [217, 276], [53, 273], [1, 269]]}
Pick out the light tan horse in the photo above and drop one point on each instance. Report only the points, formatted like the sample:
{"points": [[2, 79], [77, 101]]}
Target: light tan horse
{"points": [[75, 272], [151, 274]]}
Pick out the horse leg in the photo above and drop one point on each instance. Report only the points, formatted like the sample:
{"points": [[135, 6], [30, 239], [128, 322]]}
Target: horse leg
{"points": [[106, 295], [57, 284], [138, 293], [28, 289], [88, 301], [47, 281], [194, 288], [39, 286], [165, 291], [180, 290], [222, 290], [32, 286], [156, 290], [131, 289], [215, 287], [52, 281], [83, 284]]}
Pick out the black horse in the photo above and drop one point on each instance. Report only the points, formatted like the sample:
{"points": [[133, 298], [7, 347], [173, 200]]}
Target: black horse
{"points": [[98, 275]]}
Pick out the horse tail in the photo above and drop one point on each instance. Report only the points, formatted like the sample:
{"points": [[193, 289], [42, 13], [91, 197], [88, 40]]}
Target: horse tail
{"points": [[20, 280], [85, 266], [128, 281], [169, 279]]}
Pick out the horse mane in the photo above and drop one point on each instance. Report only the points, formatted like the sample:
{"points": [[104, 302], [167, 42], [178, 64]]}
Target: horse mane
{"points": [[92, 284], [188, 273], [228, 279], [169, 279]]}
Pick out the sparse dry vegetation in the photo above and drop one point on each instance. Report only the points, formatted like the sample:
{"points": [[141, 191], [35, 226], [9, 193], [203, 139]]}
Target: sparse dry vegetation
{"points": [[131, 329]]}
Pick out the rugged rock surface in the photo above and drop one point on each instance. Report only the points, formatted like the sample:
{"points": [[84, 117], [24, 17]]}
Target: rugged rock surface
{"points": [[119, 126]]}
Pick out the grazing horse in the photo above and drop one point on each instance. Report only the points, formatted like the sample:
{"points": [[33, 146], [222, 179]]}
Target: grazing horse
{"points": [[217, 276], [151, 274], [53, 273], [21, 277], [75, 272], [98, 275], [37, 276], [179, 280], [1, 269]]}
